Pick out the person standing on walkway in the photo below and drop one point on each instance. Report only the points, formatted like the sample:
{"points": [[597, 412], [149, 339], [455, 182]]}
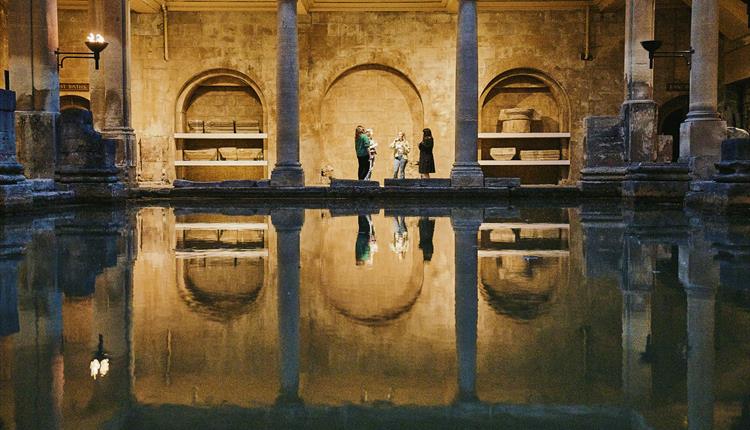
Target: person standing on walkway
{"points": [[426, 160], [401, 150], [362, 147], [372, 149]]}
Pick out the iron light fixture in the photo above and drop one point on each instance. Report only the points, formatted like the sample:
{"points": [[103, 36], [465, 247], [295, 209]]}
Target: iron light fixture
{"points": [[96, 45], [653, 45]]}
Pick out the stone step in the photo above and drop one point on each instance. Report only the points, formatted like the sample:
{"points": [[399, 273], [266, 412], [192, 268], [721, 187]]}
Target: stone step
{"points": [[502, 182], [418, 183], [39, 185], [53, 196]]}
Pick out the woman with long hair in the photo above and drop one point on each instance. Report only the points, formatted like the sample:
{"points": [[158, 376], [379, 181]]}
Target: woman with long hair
{"points": [[362, 147], [426, 160], [401, 150]]}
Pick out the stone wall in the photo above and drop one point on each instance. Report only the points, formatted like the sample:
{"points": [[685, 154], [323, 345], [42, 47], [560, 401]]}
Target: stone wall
{"points": [[388, 71]]}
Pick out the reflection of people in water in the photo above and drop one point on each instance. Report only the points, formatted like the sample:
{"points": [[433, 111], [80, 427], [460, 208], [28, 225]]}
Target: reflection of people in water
{"points": [[426, 229], [400, 237], [366, 244]]}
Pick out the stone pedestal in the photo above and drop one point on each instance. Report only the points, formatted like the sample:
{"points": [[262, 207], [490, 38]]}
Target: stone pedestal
{"points": [[36, 134], [639, 130], [15, 191], [656, 181], [730, 188], [466, 171], [85, 160], [700, 146], [604, 165]]}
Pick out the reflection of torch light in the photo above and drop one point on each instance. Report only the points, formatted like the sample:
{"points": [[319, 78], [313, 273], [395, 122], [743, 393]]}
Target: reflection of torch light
{"points": [[99, 365]]}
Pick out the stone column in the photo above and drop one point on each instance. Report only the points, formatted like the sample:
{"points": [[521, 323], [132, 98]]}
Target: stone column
{"points": [[3, 39], [639, 110], [15, 190], [466, 171], [34, 78], [110, 85], [465, 227], [288, 170], [288, 223], [703, 130]]}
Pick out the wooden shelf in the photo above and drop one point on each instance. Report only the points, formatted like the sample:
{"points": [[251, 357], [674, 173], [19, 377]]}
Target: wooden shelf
{"points": [[532, 226], [221, 136], [221, 226], [523, 252], [225, 163], [523, 135], [524, 162], [235, 253]]}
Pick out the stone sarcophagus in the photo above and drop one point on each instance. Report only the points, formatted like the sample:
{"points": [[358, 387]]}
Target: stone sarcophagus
{"points": [[86, 160]]}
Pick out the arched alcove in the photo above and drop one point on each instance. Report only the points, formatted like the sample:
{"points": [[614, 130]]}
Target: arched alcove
{"points": [[671, 116], [74, 102], [527, 89], [377, 97], [370, 283], [220, 120]]}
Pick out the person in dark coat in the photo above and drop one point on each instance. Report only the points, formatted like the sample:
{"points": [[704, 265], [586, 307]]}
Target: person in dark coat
{"points": [[426, 160]]}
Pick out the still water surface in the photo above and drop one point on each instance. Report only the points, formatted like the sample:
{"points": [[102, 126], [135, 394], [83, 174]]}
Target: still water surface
{"points": [[371, 317]]}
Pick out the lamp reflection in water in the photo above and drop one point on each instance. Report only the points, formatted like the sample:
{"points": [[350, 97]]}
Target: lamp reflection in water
{"points": [[99, 365]]}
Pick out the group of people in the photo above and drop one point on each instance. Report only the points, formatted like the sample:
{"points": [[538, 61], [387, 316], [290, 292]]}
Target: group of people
{"points": [[366, 149]]}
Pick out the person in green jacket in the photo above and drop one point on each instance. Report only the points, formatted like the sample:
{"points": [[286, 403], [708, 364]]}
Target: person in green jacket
{"points": [[362, 146]]}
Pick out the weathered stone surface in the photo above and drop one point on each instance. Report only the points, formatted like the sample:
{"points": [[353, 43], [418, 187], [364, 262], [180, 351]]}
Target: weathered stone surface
{"points": [[36, 134], [11, 171], [502, 182], [700, 146], [639, 130], [603, 143], [662, 181], [664, 147], [353, 183], [86, 161]]}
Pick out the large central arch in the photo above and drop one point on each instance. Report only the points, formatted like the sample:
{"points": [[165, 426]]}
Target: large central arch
{"points": [[378, 97]]}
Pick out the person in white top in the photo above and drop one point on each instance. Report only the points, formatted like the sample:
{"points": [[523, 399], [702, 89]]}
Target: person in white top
{"points": [[373, 151], [401, 150]]}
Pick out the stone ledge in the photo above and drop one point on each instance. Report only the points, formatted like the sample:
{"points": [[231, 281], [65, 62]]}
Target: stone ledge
{"points": [[418, 182], [353, 183], [502, 182], [182, 183]]}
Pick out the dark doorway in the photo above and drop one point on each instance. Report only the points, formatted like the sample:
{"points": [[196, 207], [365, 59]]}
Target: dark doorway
{"points": [[672, 114]]}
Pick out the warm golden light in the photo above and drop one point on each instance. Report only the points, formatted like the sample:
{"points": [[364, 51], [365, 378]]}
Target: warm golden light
{"points": [[95, 38]]}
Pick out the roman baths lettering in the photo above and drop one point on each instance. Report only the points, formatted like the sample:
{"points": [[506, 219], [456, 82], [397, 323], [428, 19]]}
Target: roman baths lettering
{"points": [[407, 214]]}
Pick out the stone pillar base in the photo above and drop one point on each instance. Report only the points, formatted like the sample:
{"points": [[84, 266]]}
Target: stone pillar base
{"points": [[288, 176], [467, 175], [719, 197], [700, 146], [36, 142], [15, 196], [602, 181], [639, 130], [656, 181], [125, 152]]}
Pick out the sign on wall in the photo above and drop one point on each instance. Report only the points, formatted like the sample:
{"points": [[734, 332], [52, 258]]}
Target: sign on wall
{"points": [[74, 86]]}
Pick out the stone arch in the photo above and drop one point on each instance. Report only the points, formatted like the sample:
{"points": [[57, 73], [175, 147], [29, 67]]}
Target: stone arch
{"points": [[672, 113], [376, 96], [518, 77], [231, 77], [74, 102]]}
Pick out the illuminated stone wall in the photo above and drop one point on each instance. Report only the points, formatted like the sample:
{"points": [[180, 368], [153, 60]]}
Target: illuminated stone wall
{"points": [[389, 71]]}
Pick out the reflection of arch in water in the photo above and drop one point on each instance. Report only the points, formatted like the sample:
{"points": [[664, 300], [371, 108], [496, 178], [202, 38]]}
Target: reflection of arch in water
{"points": [[521, 287], [376, 295], [220, 288]]}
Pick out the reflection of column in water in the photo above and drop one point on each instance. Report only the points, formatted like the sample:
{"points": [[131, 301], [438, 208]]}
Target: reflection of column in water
{"points": [[636, 321], [465, 228], [288, 224], [700, 368]]}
